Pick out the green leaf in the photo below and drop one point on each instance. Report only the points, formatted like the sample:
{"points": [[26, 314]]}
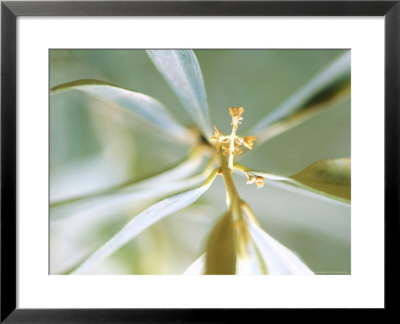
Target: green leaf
{"points": [[143, 106], [326, 179], [277, 258], [221, 254], [181, 70], [302, 115], [329, 176], [143, 220], [331, 84], [167, 182]]}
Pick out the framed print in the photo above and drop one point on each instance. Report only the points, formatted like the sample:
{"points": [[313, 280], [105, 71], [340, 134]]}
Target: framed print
{"points": [[266, 131]]}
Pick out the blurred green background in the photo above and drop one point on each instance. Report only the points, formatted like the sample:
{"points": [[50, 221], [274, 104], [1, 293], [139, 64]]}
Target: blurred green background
{"points": [[94, 146]]}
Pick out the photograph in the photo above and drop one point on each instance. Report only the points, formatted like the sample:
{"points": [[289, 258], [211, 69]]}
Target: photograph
{"points": [[199, 161]]}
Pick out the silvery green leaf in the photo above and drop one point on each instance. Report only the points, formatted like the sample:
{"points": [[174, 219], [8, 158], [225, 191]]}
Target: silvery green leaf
{"points": [[143, 220], [303, 114], [325, 179], [259, 253], [278, 259], [181, 70], [160, 185], [297, 107], [118, 201], [185, 168], [143, 106], [309, 192]]}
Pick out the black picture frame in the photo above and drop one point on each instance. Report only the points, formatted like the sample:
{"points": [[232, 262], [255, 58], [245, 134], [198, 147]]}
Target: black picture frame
{"points": [[11, 10]]}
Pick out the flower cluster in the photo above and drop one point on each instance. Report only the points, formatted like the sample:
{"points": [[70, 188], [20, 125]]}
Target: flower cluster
{"points": [[236, 114], [230, 144]]}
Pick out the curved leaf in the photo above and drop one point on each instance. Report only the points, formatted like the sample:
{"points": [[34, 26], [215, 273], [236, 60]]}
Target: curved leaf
{"points": [[221, 253], [160, 185], [330, 176], [278, 259], [181, 70], [143, 106], [326, 178], [302, 115], [290, 185], [143, 220], [333, 80], [265, 256]]}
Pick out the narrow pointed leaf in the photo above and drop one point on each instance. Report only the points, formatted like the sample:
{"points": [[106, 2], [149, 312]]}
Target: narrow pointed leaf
{"points": [[303, 114], [267, 256], [278, 259], [181, 70], [115, 198], [332, 81], [298, 188], [143, 106], [221, 254], [327, 179], [111, 203], [143, 220], [330, 176]]}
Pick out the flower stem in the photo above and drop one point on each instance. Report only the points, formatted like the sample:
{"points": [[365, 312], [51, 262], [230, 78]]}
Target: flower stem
{"points": [[232, 144], [249, 213], [233, 196]]}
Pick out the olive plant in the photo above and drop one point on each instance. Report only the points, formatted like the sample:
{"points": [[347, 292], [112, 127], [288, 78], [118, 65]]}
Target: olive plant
{"points": [[237, 243]]}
